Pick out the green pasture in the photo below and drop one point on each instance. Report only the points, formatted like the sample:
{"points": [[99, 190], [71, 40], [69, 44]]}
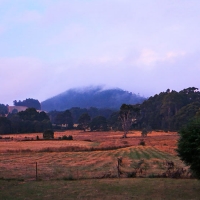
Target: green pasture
{"points": [[135, 188]]}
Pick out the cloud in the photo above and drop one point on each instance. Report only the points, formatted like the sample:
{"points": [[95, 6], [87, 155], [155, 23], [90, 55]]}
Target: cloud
{"points": [[148, 58], [20, 77]]}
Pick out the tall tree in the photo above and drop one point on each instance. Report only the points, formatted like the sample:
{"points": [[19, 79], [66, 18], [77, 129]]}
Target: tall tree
{"points": [[5, 125], [114, 121], [84, 121], [64, 118], [128, 115]]}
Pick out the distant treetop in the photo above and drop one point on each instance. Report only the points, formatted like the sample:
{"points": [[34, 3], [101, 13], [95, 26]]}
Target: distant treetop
{"points": [[30, 103]]}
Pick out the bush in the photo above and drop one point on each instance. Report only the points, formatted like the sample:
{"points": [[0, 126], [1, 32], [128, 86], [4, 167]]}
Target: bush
{"points": [[189, 146], [144, 132], [131, 174], [142, 142], [48, 134], [67, 137]]}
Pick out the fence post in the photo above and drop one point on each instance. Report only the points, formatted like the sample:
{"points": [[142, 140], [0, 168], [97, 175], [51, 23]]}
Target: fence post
{"points": [[119, 161], [36, 172]]}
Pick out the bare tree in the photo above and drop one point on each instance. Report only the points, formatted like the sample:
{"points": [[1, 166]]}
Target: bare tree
{"points": [[128, 115]]}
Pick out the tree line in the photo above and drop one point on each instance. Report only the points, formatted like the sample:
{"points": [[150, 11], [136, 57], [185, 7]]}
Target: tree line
{"points": [[30, 103], [167, 111], [28, 121], [170, 110]]}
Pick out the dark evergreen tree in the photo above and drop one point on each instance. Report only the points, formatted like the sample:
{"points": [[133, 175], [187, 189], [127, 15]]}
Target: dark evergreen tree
{"points": [[3, 110], [99, 123], [189, 145], [5, 125], [64, 118], [30, 103], [84, 121], [114, 122], [170, 110]]}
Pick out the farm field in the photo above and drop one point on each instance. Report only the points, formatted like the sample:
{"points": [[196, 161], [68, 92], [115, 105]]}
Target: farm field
{"points": [[86, 167], [160, 140], [89, 155]]}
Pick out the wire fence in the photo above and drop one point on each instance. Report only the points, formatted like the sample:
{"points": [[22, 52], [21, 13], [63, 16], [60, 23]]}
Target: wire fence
{"points": [[50, 171], [56, 171]]}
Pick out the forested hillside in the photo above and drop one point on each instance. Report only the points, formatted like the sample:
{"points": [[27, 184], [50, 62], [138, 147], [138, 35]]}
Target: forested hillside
{"points": [[93, 97], [170, 110]]}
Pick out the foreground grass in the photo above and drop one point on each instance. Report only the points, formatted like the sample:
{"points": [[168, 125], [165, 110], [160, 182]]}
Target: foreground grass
{"points": [[101, 189]]}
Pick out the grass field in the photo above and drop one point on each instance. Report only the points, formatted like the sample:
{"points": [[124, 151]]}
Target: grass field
{"points": [[80, 169], [139, 189], [89, 155], [160, 140]]}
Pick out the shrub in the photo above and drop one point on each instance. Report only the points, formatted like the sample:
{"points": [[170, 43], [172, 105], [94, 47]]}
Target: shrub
{"points": [[189, 146], [152, 175], [48, 134], [142, 142], [67, 137], [131, 174], [144, 132]]}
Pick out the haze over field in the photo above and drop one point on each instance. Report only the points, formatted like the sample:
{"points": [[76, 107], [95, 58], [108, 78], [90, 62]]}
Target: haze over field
{"points": [[48, 47]]}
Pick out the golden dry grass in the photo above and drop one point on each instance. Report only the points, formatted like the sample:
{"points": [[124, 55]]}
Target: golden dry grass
{"points": [[163, 141], [18, 157]]}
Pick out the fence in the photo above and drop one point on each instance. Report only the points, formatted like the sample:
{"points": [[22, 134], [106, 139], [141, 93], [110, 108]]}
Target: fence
{"points": [[20, 170], [50, 171]]}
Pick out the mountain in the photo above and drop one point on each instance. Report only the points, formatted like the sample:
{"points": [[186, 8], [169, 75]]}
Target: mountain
{"points": [[91, 97]]}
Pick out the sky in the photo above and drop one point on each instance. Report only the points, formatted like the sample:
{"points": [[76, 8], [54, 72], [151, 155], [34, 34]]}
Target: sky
{"points": [[145, 46]]}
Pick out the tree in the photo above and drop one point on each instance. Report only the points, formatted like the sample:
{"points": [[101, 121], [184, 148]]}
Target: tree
{"points": [[99, 123], [5, 125], [185, 114], [189, 145], [15, 122], [32, 115], [64, 118], [30, 103], [33, 121], [128, 115], [114, 122], [3, 109], [84, 121]]}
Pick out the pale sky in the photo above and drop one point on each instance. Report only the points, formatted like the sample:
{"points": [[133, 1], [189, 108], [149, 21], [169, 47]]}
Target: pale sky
{"points": [[142, 46]]}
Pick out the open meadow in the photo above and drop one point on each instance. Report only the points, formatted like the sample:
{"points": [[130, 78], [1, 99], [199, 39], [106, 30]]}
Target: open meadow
{"points": [[88, 155], [91, 160]]}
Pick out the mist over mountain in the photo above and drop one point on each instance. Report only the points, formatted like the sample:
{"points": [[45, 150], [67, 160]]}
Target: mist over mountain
{"points": [[91, 97]]}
